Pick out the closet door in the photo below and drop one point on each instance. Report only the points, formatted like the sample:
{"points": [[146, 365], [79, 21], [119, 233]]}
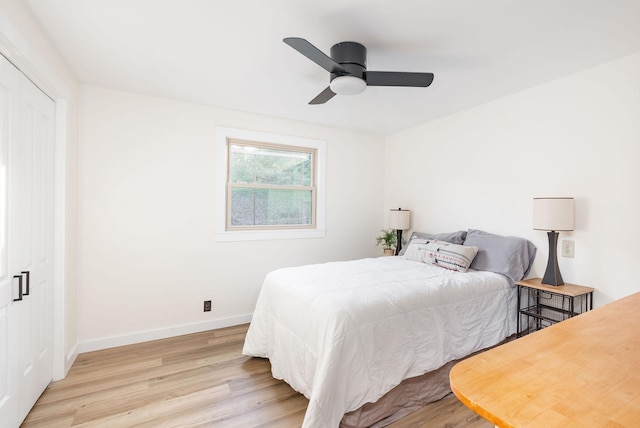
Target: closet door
{"points": [[29, 226], [8, 373], [31, 242]]}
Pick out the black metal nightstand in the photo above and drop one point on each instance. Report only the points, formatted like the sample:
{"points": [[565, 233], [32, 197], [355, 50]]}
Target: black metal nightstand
{"points": [[541, 305]]}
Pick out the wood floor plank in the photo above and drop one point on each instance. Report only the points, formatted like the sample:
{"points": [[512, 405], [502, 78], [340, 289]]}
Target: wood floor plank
{"points": [[447, 412], [159, 413], [196, 380], [79, 404]]}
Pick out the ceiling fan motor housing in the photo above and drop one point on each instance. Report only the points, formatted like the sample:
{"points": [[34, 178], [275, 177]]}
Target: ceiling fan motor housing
{"points": [[352, 57]]}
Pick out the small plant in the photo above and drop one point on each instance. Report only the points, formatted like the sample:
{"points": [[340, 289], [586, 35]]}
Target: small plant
{"points": [[388, 239]]}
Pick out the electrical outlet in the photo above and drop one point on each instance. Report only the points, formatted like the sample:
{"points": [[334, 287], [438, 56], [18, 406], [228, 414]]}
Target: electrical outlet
{"points": [[567, 248], [207, 305]]}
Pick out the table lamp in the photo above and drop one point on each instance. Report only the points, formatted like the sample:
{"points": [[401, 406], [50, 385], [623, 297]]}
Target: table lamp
{"points": [[399, 220], [553, 215]]}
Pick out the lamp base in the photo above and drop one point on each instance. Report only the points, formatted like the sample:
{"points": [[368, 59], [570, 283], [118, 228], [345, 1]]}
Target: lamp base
{"points": [[552, 274], [399, 241]]}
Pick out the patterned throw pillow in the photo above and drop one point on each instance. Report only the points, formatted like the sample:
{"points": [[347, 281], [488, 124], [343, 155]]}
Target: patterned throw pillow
{"points": [[453, 237], [440, 253]]}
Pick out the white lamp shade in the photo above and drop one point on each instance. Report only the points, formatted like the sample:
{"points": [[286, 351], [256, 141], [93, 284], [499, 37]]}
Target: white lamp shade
{"points": [[399, 219], [347, 85], [553, 214]]}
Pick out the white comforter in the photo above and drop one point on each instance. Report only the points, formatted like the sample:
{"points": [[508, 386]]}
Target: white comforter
{"points": [[345, 333]]}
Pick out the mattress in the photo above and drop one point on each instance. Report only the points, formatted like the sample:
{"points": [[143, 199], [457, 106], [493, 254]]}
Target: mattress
{"points": [[345, 333]]}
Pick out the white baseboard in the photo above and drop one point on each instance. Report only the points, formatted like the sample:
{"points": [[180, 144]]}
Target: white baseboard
{"points": [[65, 366], [161, 333], [70, 359]]}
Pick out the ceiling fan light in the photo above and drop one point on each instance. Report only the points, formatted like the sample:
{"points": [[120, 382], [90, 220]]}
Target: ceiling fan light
{"points": [[347, 85]]}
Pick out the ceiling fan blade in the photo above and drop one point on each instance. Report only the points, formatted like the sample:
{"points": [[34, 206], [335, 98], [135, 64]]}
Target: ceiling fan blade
{"points": [[398, 78], [314, 54], [323, 96]]}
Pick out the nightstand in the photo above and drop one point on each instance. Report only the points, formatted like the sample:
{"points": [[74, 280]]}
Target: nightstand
{"points": [[541, 305]]}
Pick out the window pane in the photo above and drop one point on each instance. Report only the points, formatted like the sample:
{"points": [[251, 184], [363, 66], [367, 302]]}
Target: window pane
{"points": [[261, 165], [270, 207]]}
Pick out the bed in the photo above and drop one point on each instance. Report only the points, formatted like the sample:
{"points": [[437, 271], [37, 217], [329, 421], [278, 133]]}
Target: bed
{"points": [[352, 336]]}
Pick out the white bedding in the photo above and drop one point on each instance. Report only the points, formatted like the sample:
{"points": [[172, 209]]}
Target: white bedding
{"points": [[345, 333]]}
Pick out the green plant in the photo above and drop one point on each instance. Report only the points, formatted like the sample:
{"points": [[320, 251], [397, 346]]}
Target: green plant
{"points": [[388, 239]]}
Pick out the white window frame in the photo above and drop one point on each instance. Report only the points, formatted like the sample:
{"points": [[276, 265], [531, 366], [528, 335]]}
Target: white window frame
{"points": [[223, 135]]}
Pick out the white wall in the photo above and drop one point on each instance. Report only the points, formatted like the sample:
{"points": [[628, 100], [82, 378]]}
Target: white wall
{"points": [[577, 136], [147, 254]]}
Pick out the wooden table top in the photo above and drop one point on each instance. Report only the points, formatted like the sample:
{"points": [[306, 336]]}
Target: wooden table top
{"points": [[582, 372], [566, 289]]}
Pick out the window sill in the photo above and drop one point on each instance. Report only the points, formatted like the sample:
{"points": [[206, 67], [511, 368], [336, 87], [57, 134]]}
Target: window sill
{"points": [[262, 235]]}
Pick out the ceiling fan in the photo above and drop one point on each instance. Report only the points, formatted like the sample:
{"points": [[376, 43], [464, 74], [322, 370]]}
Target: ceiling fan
{"points": [[348, 67]]}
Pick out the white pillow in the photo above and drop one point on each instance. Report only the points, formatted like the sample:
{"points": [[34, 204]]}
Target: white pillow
{"points": [[440, 253]]}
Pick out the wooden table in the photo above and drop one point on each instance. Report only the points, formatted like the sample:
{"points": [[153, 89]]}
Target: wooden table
{"points": [[582, 372]]}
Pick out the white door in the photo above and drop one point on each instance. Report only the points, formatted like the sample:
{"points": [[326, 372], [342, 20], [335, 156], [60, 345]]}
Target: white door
{"points": [[29, 225], [30, 240], [8, 94]]}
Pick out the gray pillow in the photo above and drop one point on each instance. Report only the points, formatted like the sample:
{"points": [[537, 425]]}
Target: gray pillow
{"points": [[507, 255], [452, 237]]}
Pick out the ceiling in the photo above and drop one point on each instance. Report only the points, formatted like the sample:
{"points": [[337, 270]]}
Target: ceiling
{"points": [[230, 53]]}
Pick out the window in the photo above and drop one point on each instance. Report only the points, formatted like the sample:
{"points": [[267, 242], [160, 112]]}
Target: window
{"points": [[272, 186], [269, 186]]}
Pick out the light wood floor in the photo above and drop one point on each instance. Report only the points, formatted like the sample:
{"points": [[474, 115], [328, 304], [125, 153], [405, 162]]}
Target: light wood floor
{"points": [[197, 380]]}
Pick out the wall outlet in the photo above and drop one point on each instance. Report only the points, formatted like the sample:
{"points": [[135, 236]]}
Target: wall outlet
{"points": [[207, 305], [567, 248]]}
